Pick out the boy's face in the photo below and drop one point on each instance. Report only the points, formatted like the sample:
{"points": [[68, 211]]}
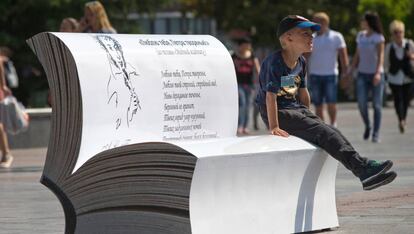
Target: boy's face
{"points": [[301, 39]]}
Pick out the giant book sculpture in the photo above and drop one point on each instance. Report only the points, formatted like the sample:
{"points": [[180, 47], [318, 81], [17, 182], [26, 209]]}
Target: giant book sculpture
{"points": [[143, 141]]}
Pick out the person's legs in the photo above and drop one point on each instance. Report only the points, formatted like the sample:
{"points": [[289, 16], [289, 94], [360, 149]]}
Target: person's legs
{"points": [[290, 119], [319, 111], [247, 91], [255, 117], [244, 95], [332, 110], [331, 91], [6, 158], [242, 105], [304, 124], [317, 94], [397, 96], [362, 97], [255, 112], [377, 95], [406, 96]]}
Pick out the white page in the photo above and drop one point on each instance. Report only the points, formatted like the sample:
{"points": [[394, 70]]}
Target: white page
{"points": [[177, 87]]}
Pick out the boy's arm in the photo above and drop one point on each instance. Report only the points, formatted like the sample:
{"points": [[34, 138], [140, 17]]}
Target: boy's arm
{"points": [[304, 97], [271, 106]]}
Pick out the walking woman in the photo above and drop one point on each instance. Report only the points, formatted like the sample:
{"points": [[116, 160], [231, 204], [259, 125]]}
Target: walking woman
{"points": [[368, 60], [398, 60]]}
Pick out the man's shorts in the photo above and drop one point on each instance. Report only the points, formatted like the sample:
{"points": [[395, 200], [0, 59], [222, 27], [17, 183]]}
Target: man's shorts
{"points": [[324, 89]]}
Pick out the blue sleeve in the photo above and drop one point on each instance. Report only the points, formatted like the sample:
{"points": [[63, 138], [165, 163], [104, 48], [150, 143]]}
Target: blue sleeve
{"points": [[266, 75]]}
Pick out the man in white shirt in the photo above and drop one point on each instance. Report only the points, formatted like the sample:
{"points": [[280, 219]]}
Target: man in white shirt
{"points": [[323, 66]]}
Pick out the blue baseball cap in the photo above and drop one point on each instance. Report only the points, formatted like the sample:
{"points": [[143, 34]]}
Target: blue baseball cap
{"points": [[296, 21]]}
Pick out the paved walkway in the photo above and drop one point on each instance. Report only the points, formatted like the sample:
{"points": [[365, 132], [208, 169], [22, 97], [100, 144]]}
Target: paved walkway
{"points": [[26, 206]]}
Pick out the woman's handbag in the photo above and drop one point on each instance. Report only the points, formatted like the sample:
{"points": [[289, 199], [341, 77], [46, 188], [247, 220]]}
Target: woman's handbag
{"points": [[13, 115]]}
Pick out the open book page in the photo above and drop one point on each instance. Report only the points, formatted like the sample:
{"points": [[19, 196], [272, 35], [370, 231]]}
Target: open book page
{"points": [[141, 88]]}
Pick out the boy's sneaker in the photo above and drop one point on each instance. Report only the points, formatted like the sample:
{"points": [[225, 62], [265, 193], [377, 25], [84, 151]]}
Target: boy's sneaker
{"points": [[380, 180], [374, 169]]}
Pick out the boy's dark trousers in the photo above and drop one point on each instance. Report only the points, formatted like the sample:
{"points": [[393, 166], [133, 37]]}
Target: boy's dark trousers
{"points": [[302, 123]]}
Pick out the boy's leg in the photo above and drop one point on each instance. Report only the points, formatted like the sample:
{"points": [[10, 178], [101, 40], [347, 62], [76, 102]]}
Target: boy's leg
{"points": [[304, 124]]}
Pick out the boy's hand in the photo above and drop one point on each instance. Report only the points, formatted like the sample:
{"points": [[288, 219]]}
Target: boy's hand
{"points": [[279, 132]]}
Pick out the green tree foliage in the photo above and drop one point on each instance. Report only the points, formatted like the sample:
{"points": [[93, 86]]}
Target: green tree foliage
{"points": [[21, 19], [262, 16]]}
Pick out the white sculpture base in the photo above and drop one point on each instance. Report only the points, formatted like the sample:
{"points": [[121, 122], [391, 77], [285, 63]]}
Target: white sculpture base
{"points": [[262, 184]]}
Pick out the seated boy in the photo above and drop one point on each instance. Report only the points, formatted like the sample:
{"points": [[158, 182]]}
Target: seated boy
{"points": [[283, 101]]}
